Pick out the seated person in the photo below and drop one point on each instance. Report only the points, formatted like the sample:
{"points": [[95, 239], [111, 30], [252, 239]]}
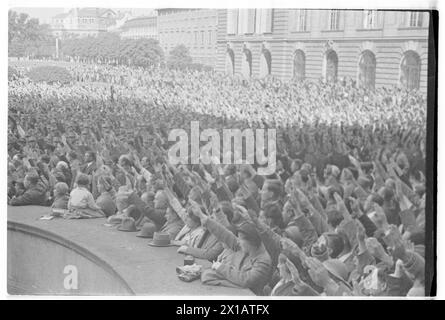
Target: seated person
{"points": [[105, 200], [61, 196], [81, 199], [210, 247], [247, 264], [35, 192]]}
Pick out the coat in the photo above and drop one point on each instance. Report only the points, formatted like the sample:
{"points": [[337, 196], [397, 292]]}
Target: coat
{"points": [[240, 268], [35, 195]]}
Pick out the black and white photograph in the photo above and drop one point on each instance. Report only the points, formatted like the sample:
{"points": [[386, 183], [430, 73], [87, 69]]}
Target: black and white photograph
{"points": [[198, 151]]}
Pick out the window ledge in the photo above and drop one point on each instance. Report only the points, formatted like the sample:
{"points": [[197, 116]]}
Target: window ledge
{"points": [[412, 28], [370, 29], [298, 31], [333, 30]]}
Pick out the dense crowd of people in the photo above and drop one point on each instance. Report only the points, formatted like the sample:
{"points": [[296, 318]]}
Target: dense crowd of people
{"points": [[344, 213]]}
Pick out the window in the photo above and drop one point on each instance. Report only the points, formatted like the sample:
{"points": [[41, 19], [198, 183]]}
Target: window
{"points": [[299, 20], [334, 20], [370, 19], [210, 37], [230, 62], [299, 65], [202, 37], [232, 21], [367, 66], [265, 63], [331, 66], [415, 19], [246, 64], [410, 70], [246, 21], [263, 20]]}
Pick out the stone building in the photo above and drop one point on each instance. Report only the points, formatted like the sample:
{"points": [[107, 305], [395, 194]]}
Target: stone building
{"points": [[375, 48], [194, 28], [140, 27]]}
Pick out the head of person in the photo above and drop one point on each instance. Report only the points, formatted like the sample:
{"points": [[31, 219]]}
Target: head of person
{"points": [[90, 156], [329, 244], [295, 165], [83, 180], [61, 189], [160, 200], [191, 220], [72, 155], [31, 179], [331, 172], [125, 162], [271, 191], [148, 197], [245, 173], [229, 170], [248, 236]]}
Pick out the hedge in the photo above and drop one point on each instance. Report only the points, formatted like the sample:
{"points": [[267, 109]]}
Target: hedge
{"points": [[50, 74]]}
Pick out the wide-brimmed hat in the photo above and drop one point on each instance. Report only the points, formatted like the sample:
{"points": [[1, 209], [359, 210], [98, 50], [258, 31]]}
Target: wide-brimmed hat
{"points": [[160, 239], [128, 224], [147, 231]]}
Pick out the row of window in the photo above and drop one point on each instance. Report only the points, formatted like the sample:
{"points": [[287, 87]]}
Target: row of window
{"points": [[259, 21], [196, 38], [410, 67]]}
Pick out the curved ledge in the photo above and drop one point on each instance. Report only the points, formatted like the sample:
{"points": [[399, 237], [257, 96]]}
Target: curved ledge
{"points": [[70, 245]]}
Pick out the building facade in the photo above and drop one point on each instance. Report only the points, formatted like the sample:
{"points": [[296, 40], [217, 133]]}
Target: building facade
{"points": [[140, 27], [194, 28], [80, 22], [375, 48]]}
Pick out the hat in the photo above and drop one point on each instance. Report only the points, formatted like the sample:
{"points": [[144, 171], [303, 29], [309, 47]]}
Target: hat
{"points": [[128, 224], [250, 232], [147, 231], [160, 239]]}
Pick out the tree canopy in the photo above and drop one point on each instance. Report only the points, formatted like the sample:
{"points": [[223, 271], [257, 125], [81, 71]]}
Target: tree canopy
{"points": [[109, 46]]}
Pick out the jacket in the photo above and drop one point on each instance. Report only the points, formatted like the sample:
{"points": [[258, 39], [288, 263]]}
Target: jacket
{"points": [[208, 249], [246, 271], [35, 195]]}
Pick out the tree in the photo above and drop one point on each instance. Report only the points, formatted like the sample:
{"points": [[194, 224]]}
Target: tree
{"points": [[179, 57], [108, 46], [21, 27]]}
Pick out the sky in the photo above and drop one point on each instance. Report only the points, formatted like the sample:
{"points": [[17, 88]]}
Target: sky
{"points": [[45, 14]]}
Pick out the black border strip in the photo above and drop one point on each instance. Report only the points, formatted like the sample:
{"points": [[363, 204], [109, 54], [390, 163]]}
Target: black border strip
{"points": [[431, 160]]}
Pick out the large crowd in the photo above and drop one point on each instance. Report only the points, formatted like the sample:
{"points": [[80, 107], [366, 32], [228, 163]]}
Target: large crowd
{"points": [[344, 213]]}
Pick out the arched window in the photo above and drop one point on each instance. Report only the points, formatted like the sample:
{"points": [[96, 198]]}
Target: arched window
{"points": [[331, 66], [265, 63], [366, 73], [410, 70], [299, 65], [246, 65], [230, 62]]}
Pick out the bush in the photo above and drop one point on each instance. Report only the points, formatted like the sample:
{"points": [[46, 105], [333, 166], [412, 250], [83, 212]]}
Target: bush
{"points": [[13, 73], [50, 74]]}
